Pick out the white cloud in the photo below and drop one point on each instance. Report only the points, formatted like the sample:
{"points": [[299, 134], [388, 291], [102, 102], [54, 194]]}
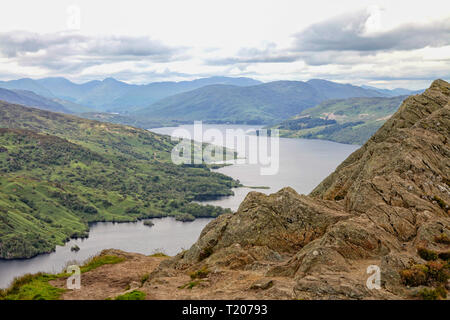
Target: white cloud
{"points": [[143, 41]]}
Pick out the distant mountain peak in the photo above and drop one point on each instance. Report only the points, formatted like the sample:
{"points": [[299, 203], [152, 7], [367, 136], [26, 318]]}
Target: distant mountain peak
{"points": [[110, 79]]}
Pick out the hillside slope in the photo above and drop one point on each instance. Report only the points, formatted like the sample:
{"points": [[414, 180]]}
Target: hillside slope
{"points": [[386, 205], [30, 99], [29, 85], [264, 103], [60, 172], [141, 96], [112, 95], [352, 120]]}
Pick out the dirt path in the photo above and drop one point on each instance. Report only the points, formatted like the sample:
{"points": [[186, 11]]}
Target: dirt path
{"points": [[111, 280]]}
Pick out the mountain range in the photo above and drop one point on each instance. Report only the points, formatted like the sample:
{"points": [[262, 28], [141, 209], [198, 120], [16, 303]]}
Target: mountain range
{"points": [[262, 103], [213, 100], [113, 95], [31, 99], [394, 92]]}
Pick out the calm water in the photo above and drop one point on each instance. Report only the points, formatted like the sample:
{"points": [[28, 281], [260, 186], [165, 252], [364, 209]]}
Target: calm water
{"points": [[167, 235], [303, 164]]}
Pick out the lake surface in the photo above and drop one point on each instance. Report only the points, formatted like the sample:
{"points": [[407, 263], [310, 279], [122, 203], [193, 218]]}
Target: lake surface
{"points": [[303, 165], [167, 235]]}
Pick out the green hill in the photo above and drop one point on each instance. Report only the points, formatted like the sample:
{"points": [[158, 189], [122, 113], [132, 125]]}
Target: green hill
{"points": [[352, 120], [112, 95], [260, 104], [59, 172], [31, 99]]}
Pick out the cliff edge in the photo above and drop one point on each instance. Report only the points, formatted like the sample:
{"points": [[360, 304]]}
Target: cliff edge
{"points": [[383, 206]]}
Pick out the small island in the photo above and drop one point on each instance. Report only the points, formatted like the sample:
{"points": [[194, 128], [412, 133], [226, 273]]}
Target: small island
{"points": [[148, 223]]}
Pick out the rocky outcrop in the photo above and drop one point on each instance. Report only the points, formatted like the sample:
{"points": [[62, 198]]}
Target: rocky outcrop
{"points": [[387, 199]]}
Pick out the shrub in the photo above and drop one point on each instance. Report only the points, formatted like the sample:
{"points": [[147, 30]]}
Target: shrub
{"points": [[426, 254], [419, 274], [437, 271], [148, 223], [159, 255], [442, 238], [444, 256], [440, 202], [432, 294], [200, 274], [442, 292], [144, 278], [428, 294], [415, 276]]}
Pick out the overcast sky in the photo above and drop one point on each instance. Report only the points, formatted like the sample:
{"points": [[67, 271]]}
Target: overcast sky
{"points": [[381, 43]]}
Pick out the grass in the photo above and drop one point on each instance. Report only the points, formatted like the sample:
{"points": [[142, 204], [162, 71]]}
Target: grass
{"points": [[355, 119], [200, 274], [190, 285], [37, 286], [58, 173], [32, 287], [99, 261], [442, 238], [159, 255], [133, 295], [196, 278]]}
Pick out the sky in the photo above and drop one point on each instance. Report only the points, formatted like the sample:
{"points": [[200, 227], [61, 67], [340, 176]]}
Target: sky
{"points": [[387, 44]]}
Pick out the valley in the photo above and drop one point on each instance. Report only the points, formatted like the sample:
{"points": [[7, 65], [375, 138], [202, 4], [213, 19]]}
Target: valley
{"points": [[169, 235], [385, 205], [59, 173], [352, 120]]}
